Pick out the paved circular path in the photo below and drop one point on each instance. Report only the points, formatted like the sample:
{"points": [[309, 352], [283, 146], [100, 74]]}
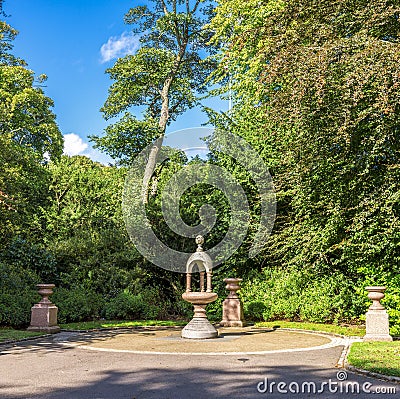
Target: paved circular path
{"points": [[230, 341], [61, 367]]}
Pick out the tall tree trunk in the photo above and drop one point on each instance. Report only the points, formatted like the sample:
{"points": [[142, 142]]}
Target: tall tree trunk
{"points": [[162, 123]]}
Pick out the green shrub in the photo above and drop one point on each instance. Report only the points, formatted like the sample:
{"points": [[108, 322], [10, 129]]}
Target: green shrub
{"points": [[272, 294], [149, 304], [255, 310], [25, 254], [319, 302], [155, 304], [77, 304], [125, 306], [15, 312], [392, 304], [103, 261], [300, 295], [17, 295]]}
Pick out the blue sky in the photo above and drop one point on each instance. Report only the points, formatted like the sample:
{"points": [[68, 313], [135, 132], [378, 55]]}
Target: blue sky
{"points": [[73, 42]]}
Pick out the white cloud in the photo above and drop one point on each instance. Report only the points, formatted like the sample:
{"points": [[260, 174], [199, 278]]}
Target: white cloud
{"points": [[118, 46], [97, 156], [73, 144]]}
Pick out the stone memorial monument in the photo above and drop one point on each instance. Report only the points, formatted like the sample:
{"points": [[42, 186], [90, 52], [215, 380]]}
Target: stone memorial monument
{"points": [[377, 319], [44, 313], [199, 327], [232, 307]]}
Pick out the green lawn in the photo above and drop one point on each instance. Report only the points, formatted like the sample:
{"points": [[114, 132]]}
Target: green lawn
{"points": [[90, 325], [9, 334], [379, 357], [355, 330]]}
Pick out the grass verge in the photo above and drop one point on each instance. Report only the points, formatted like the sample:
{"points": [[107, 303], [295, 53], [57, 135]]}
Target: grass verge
{"points": [[378, 357], [352, 330], [92, 325], [9, 334]]}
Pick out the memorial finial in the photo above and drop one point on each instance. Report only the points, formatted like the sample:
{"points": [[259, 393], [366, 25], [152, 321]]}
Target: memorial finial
{"points": [[199, 242]]}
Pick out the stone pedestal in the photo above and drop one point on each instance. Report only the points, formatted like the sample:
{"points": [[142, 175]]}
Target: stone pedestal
{"points": [[377, 319], [199, 327], [44, 313], [232, 307]]}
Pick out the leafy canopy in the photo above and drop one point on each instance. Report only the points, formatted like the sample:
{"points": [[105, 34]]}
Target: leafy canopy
{"points": [[315, 88], [28, 135], [163, 78]]}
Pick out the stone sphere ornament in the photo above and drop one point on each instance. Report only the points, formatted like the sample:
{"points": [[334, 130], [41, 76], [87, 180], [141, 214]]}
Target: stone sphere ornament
{"points": [[199, 242]]}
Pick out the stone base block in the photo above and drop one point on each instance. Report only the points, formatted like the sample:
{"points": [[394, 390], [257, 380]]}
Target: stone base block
{"points": [[232, 313], [47, 330], [377, 326], [376, 337], [44, 318], [227, 323], [199, 328]]}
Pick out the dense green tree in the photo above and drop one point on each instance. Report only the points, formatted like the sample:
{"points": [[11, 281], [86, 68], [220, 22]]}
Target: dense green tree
{"points": [[23, 191], [164, 76], [25, 113], [85, 195], [28, 136], [318, 83], [7, 35], [86, 234], [315, 90]]}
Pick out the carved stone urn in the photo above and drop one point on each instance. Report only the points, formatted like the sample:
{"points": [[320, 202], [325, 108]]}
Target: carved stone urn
{"points": [[44, 313], [376, 294], [377, 319], [232, 308]]}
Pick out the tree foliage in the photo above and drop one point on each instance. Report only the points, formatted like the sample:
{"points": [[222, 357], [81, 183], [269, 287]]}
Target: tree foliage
{"points": [[85, 195], [164, 76], [168, 69], [25, 112], [315, 88], [28, 133]]}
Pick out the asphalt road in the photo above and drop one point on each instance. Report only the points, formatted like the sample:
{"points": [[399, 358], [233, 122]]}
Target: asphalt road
{"points": [[48, 369]]}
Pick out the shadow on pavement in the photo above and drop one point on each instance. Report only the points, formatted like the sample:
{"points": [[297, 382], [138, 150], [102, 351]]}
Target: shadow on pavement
{"points": [[206, 382], [66, 340]]}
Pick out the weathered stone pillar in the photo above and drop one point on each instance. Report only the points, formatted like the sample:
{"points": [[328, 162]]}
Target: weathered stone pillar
{"points": [[232, 307], [202, 281], [377, 319], [44, 313], [188, 282]]}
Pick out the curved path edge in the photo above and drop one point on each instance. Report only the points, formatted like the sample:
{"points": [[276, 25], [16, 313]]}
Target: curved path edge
{"points": [[335, 340]]}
